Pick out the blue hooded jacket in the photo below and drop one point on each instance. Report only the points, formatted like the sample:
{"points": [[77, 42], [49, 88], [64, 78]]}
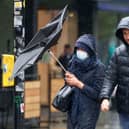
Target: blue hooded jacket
{"points": [[90, 71]]}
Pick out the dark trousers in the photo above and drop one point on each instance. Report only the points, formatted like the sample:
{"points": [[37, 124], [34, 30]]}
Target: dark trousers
{"points": [[124, 120]]}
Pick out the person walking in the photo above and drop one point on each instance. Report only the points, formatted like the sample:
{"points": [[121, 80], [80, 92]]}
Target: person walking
{"points": [[86, 74], [118, 74]]}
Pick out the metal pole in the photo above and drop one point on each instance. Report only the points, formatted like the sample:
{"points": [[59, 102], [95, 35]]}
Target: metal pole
{"points": [[18, 46]]}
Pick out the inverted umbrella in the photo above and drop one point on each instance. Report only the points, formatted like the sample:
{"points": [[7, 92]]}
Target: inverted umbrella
{"points": [[44, 39]]}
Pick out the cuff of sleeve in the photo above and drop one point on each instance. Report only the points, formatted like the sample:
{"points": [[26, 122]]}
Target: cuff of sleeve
{"points": [[89, 92], [104, 97]]}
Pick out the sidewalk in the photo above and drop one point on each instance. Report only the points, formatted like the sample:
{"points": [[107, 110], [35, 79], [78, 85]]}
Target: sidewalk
{"points": [[107, 120]]}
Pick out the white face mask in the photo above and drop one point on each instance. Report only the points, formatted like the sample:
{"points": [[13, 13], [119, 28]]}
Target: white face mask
{"points": [[82, 55]]}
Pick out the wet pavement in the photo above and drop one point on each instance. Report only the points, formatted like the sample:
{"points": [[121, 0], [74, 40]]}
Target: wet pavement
{"points": [[107, 120]]}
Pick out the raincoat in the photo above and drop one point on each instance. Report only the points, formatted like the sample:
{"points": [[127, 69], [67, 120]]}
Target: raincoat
{"points": [[85, 107]]}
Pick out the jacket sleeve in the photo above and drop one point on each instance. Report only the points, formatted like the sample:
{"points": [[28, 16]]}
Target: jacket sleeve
{"points": [[110, 80], [93, 91]]}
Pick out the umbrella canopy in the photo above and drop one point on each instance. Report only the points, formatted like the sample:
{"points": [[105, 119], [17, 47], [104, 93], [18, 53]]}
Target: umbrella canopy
{"points": [[45, 38]]}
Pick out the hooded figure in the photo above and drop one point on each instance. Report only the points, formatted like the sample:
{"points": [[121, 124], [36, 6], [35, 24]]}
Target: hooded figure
{"points": [[118, 74], [86, 74]]}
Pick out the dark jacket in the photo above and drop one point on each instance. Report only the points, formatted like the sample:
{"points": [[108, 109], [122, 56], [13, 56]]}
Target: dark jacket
{"points": [[118, 72], [84, 110]]}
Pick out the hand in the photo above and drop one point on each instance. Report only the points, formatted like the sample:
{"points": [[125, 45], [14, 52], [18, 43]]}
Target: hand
{"points": [[72, 80], [105, 105]]}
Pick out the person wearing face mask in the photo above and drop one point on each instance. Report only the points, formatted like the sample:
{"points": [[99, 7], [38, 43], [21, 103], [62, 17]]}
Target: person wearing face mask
{"points": [[86, 74]]}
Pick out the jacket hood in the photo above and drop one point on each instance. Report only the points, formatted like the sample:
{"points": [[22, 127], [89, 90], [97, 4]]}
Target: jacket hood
{"points": [[87, 42], [123, 24]]}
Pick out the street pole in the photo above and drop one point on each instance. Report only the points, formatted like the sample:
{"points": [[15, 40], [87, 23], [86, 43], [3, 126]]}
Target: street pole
{"points": [[86, 10], [19, 44]]}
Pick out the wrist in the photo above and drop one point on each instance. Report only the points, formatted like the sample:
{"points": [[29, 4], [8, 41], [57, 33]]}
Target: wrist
{"points": [[105, 100], [81, 85]]}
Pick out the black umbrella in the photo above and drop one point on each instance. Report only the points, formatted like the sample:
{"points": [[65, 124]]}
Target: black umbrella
{"points": [[44, 39]]}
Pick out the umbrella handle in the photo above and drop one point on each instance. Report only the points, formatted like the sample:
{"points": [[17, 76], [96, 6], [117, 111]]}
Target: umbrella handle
{"points": [[52, 54]]}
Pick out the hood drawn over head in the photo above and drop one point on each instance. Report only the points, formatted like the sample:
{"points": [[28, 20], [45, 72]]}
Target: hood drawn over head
{"points": [[87, 42], [123, 24]]}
